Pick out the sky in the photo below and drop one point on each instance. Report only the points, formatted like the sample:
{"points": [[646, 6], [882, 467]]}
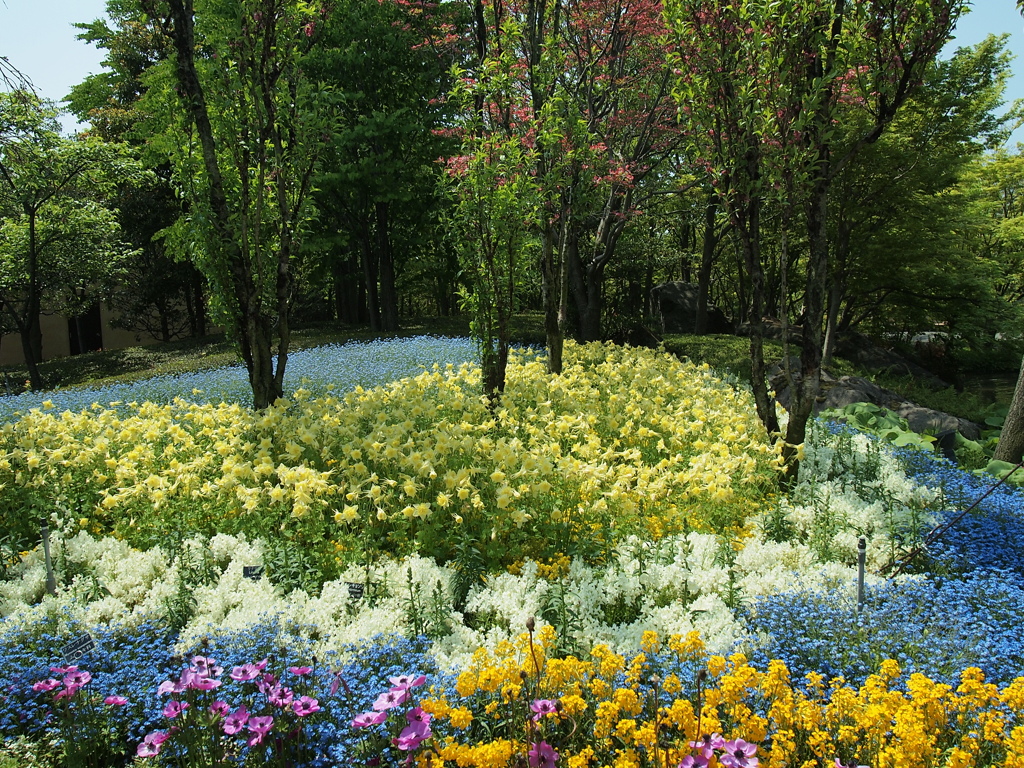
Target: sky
{"points": [[38, 38]]}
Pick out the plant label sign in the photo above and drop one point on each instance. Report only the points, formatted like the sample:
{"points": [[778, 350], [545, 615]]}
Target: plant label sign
{"points": [[252, 572], [77, 648], [355, 591]]}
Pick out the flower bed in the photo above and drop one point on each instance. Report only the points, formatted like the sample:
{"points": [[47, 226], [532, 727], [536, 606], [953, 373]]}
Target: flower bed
{"points": [[627, 507]]}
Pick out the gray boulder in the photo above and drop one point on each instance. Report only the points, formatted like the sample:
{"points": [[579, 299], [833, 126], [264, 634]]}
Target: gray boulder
{"points": [[675, 309], [846, 390]]}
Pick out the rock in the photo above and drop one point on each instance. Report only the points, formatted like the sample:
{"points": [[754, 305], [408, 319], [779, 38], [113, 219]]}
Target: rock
{"points": [[772, 329], [926, 420], [846, 390], [675, 309], [637, 336]]}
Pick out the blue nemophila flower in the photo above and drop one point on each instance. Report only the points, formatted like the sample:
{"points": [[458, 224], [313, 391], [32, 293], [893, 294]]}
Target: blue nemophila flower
{"points": [[340, 367], [933, 625]]}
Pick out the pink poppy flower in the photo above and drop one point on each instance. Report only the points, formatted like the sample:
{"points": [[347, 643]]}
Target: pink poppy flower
{"points": [[259, 727], [412, 736], [738, 754], [220, 709], [115, 701], [408, 681], [76, 677], [280, 696], [67, 693], [366, 719], [174, 708], [236, 721], [391, 699], [305, 706], [542, 755], [543, 707], [151, 744]]}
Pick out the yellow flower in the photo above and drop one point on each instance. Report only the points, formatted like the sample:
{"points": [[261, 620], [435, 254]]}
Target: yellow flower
{"points": [[460, 718]]}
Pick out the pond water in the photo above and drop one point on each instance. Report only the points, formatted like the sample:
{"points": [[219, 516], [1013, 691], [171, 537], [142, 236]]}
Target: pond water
{"points": [[991, 387]]}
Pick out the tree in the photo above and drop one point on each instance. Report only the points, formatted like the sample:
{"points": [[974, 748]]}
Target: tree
{"points": [[910, 193], [867, 58], [159, 294], [723, 53], [60, 247], [377, 194], [767, 88], [245, 128]]}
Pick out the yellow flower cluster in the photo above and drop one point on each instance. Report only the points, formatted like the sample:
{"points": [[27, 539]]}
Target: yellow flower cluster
{"points": [[625, 441], [612, 711]]}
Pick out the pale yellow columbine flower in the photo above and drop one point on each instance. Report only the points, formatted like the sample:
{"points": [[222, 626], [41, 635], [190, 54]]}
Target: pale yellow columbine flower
{"points": [[346, 515]]}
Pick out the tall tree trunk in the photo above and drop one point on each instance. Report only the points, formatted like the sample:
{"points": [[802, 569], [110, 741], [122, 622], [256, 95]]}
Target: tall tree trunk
{"points": [[707, 259], [388, 295], [804, 392], [251, 328], [1011, 440], [749, 232], [836, 291], [551, 292], [32, 332], [369, 258], [32, 349]]}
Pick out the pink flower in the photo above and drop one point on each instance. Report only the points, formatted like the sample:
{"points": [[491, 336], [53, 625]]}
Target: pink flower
{"points": [[248, 671], [77, 678], [266, 683], [337, 683], [543, 707], [195, 679], [45, 685], [412, 736], [708, 744], [305, 706], [300, 671], [67, 693], [169, 686], [694, 761], [280, 696], [738, 754], [150, 745], [64, 670], [174, 708], [391, 699], [542, 755], [236, 721], [259, 727], [206, 667], [366, 719], [115, 701], [407, 681], [220, 708], [417, 715], [853, 764]]}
